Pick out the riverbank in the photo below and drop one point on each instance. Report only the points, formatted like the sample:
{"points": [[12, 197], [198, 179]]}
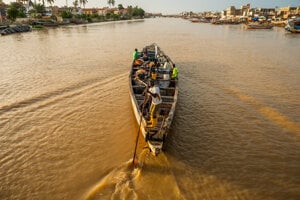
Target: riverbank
{"points": [[48, 23]]}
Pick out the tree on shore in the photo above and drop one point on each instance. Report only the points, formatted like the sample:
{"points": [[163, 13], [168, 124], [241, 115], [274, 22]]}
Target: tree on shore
{"points": [[66, 14], [120, 7], [38, 9], [138, 12], [15, 10], [12, 13]]}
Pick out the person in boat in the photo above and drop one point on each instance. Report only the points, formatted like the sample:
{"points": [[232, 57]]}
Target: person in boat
{"points": [[175, 72], [135, 54], [155, 102], [141, 74], [153, 69], [145, 55]]}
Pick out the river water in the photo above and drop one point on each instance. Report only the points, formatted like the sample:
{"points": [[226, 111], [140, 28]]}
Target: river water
{"points": [[67, 130]]}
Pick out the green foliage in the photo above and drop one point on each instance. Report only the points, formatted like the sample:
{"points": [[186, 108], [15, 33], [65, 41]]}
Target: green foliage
{"points": [[95, 15], [108, 15], [39, 8], [129, 11], [135, 12], [16, 10], [115, 16], [66, 14], [22, 14], [138, 12], [53, 17], [89, 19], [101, 18], [120, 7], [12, 13]]}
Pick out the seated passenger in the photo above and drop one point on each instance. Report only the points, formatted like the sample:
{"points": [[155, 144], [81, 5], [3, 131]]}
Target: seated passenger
{"points": [[140, 74]]}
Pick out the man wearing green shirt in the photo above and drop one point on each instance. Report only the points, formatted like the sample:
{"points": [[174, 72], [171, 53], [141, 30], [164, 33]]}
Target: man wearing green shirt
{"points": [[175, 72], [135, 54]]}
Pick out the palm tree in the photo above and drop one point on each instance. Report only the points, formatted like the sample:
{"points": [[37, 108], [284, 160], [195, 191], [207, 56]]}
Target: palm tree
{"points": [[75, 3], [83, 2], [111, 2], [48, 1]]}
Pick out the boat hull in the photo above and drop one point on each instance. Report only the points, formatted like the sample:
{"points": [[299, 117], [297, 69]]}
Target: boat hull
{"points": [[260, 26], [293, 26], [154, 135]]}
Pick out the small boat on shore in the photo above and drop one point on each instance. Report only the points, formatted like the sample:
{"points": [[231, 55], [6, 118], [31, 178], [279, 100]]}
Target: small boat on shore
{"points": [[16, 29], [155, 134], [195, 20], [293, 26], [46, 23], [260, 26], [2, 27]]}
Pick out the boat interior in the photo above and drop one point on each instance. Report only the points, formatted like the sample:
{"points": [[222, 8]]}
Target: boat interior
{"points": [[163, 71]]}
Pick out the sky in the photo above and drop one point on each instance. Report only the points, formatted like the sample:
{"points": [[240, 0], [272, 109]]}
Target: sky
{"points": [[178, 6]]}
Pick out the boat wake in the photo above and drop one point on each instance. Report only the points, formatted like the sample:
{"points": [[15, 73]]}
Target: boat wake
{"points": [[68, 91], [152, 179], [117, 184]]}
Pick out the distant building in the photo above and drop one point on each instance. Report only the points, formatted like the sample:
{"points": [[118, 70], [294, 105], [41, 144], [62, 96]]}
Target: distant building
{"points": [[232, 12], [89, 11], [287, 12], [245, 10], [266, 12], [101, 11]]}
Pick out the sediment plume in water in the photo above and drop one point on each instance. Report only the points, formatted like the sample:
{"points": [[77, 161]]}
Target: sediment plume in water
{"points": [[128, 181]]}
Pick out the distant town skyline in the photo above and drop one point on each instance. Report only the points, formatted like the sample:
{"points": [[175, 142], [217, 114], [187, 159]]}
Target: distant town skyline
{"points": [[178, 6]]}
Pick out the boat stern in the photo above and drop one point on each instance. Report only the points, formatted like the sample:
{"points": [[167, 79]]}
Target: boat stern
{"points": [[155, 147]]}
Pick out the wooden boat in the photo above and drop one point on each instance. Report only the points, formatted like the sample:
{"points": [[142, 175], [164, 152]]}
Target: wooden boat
{"points": [[279, 22], [16, 29], [260, 26], [156, 134], [293, 26], [46, 23], [2, 27], [195, 20]]}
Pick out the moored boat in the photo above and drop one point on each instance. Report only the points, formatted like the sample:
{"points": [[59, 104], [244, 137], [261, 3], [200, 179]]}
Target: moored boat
{"points": [[293, 26], [2, 27], [279, 22], [260, 26], [16, 29], [157, 67], [195, 20], [46, 23]]}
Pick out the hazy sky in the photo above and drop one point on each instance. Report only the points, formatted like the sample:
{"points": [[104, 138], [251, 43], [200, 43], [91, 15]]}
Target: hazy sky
{"points": [[177, 6]]}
